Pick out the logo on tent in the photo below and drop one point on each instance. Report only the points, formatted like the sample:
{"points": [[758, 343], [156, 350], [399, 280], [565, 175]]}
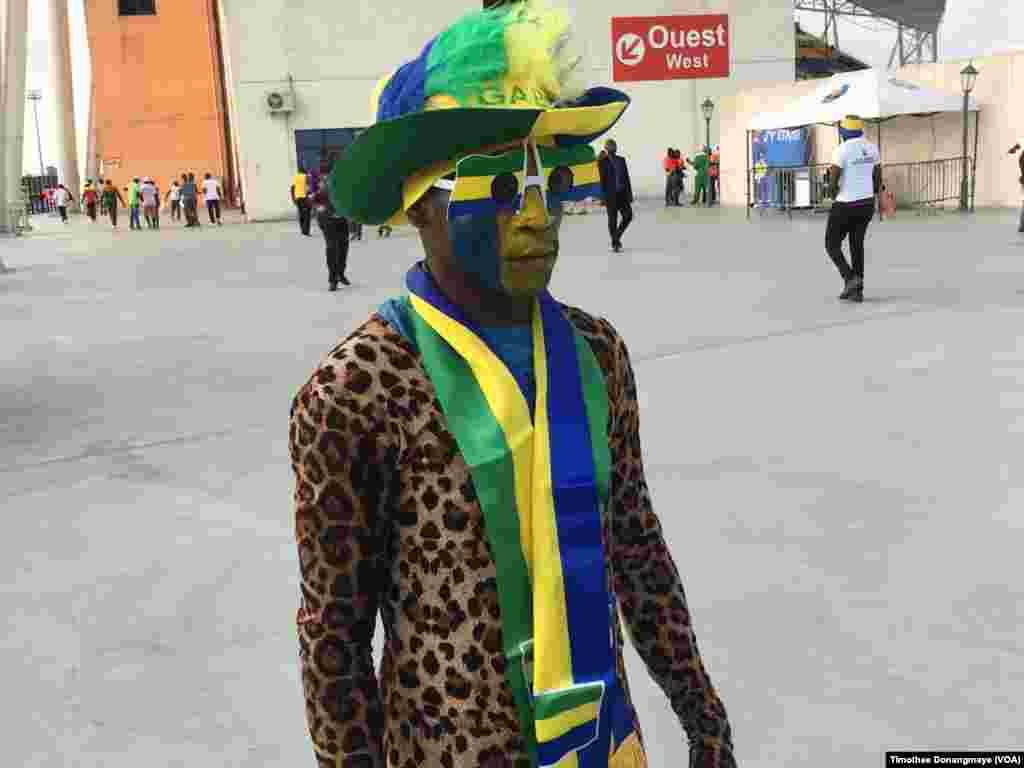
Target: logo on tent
{"points": [[838, 93]]}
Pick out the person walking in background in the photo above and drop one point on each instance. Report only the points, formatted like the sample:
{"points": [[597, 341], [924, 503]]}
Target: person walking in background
{"points": [[111, 197], [189, 195], [100, 186], [700, 168], [335, 229], [61, 197], [89, 198], [212, 195], [617, 192], [384, 230], [1020, 162], [855, 177], [134, 204], [677, 174], [357, 230], [173, 198], [300, 198], [671, 165], [150, 203], [682, 199], [714, 173], [184, 200]]}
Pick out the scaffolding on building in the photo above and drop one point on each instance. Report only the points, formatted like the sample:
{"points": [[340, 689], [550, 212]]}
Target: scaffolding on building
{"points": [[915, 23]]}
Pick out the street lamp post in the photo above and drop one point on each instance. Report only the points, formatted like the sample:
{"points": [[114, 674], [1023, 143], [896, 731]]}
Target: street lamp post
{"points": [[708, 108], [35, 97], [968, 76]]}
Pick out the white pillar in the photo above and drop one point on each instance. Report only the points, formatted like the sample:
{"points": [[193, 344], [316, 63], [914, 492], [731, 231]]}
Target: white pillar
{"points": [[4, 215], [63, 98], [15, 42], [91, 164]]}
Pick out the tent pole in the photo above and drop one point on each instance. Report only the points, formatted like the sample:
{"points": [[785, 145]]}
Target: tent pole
{"points": [[881, 213], [974, 166], [748, 174]]}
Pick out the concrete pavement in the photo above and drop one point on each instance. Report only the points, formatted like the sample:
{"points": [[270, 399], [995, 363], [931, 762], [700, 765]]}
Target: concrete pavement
{"points": [[842, 485]]}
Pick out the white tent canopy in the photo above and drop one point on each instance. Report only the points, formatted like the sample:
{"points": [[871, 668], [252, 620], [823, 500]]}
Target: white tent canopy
{"points": [[874, 94]]}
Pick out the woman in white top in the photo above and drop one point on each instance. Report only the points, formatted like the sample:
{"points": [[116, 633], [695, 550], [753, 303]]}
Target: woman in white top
{"points": [[150, 203], [174, 198], [211, 193]]}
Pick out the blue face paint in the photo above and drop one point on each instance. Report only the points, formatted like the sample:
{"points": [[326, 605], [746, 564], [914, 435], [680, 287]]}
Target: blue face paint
{"points": [[474, 240]]}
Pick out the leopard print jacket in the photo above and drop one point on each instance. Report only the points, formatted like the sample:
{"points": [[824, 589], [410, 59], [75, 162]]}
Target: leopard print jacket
{"points": [[386, 519]]}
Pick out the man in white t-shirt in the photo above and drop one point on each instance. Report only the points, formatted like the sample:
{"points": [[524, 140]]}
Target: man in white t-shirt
{"points": [[211, 193], [855, 177], [61, 198]]}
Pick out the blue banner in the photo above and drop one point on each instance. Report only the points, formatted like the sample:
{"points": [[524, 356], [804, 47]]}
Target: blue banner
{"points": [[776, 149], [786, 146]]}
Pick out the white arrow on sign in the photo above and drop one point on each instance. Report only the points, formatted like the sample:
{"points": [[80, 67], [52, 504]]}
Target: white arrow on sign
{"points": [[630, 49]]}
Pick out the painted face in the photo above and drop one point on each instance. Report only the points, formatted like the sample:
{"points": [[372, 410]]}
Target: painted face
{"points": [[505, 211]]}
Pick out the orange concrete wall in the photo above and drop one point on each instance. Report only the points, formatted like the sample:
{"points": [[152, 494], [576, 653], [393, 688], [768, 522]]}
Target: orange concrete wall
{"points": [[156, 84]]}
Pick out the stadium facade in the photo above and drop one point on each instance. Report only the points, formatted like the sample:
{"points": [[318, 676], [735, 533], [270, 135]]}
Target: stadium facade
{"points": [[300, 72]]}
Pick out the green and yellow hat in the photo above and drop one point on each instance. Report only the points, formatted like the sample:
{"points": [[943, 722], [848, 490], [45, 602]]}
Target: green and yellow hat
{"points": [[493, 79]]}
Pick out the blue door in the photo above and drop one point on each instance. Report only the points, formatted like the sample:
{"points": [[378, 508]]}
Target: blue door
{"points": [[314, 145]]}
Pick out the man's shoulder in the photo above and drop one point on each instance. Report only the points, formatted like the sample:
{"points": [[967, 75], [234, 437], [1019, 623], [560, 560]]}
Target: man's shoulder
{"points": [[599, 333], [363, 368]]}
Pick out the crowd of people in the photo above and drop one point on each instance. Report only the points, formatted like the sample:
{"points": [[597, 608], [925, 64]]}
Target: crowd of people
{"points": [[53, 200], [706, 164], [144, 200]]}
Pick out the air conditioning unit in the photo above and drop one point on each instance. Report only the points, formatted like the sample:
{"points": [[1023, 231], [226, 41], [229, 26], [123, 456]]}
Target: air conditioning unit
{"points": [[279, 102]]}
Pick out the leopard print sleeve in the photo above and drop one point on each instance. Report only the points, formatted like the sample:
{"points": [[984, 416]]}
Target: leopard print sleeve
{"points": [[343, 456], [647, 582]]}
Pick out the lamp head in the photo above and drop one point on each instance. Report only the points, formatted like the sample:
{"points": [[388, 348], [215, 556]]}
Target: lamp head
{"points": [[968, 77]]}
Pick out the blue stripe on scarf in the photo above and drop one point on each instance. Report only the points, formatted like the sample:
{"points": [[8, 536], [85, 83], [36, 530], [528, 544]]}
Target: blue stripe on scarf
{"points": [[549, 753], [578, 515]]}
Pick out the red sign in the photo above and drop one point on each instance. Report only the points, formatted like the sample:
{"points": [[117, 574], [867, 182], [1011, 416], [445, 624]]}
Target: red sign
{"points": [[669, 47]]}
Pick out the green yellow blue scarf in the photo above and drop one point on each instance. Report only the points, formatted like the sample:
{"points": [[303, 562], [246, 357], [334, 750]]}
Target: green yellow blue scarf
{"points": [[542, 483]]}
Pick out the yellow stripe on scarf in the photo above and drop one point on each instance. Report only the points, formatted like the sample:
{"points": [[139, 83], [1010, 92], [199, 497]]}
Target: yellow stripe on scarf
{"points": [[505, 400], [629, 754], [552, 658], [559, 725]]}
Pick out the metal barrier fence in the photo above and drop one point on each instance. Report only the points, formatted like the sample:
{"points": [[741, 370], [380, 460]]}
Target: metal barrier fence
{"points": [[920, 186], [931, 184], [790, 187]]}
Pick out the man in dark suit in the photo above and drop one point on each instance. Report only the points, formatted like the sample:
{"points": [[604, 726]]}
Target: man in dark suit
{"points": [[1013, 150], [617, 192]]}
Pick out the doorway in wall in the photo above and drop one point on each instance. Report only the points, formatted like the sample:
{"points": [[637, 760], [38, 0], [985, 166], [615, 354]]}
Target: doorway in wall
{"points": [[312, 145]]}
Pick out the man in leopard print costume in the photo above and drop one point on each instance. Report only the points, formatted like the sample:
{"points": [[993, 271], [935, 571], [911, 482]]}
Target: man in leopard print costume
{"points": [[393, 513]]}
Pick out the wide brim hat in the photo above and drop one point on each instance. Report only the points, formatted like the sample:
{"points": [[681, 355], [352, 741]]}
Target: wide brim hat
{"points": [[493, 79]]}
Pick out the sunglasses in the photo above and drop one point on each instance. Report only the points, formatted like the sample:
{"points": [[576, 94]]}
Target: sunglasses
{"points": [[498, 182]]}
